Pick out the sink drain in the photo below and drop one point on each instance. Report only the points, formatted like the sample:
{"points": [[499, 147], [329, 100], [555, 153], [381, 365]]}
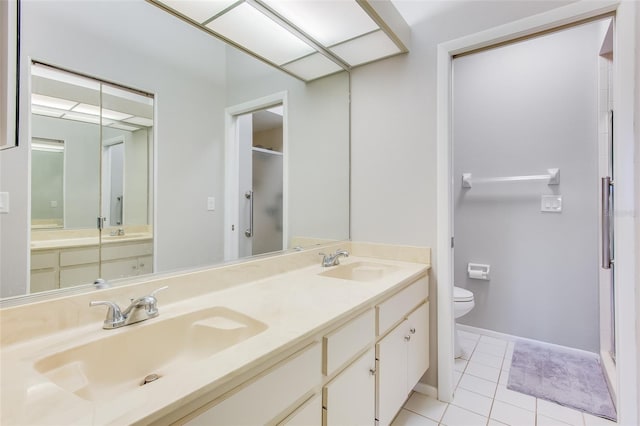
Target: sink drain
{"points": [[150, 378]]}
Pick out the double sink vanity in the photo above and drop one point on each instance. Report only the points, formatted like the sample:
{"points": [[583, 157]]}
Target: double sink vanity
{"points": [[274, 340]]}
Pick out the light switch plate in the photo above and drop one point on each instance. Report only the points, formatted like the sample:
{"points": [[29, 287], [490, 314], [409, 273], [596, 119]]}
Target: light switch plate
{"points": [[211, 203], [551, 203], [4, 202]]}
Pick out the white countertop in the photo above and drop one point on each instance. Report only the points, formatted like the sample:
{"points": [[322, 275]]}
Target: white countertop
{"points": [[295, 305]]}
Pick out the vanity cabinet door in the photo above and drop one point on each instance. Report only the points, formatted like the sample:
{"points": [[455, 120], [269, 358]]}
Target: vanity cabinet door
{"points": [[308, 414], [392, 373], [418, 345], [349, 399], [119, 268]]}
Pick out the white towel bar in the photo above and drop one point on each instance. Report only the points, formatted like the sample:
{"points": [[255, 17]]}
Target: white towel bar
{"points": [[553, 178]]}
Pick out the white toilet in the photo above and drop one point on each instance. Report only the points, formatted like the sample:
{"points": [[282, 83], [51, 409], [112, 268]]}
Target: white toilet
{"points": [[462, 304]]}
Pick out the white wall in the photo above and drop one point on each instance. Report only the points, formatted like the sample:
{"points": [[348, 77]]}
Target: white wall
{"points": [[393, 128], [519, 110]]}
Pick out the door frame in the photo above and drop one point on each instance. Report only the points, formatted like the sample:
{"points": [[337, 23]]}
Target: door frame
{"points": [[623, 76], [231, 171], [105, 174]]}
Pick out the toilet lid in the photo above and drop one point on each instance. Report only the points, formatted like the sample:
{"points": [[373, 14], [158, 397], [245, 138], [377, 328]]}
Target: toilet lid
{"points": [[462, 295]]}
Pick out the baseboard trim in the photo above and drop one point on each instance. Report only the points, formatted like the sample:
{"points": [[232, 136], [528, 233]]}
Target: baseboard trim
{"points": [[426, 389], [512, 338]]}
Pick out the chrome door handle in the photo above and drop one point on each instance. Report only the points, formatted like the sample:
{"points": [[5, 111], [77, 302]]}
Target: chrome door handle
{"points": [[605, 192], [412, 330], [249, 231], [407, 338]]}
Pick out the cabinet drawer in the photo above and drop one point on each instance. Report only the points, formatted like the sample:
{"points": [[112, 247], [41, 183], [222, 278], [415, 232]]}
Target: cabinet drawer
{"points": [[392, 310], [43, 281], [78, 275], [344, 343], [43, 260], [308, 414], [79, 256], [120, 251], [269, 395]]}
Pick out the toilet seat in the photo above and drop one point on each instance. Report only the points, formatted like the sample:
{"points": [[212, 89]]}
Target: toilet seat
{"points": [[462, 295]]}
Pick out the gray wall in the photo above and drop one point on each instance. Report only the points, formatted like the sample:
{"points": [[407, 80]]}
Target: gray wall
{"points": [[519, 110]]}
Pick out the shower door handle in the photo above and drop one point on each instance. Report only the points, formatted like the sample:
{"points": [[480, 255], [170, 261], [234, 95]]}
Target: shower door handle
{"points": [[249, 231], [606, 186]]}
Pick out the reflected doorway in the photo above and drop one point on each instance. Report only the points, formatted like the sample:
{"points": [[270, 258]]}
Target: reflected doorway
{"points": [[255, 216], [261, 181]]}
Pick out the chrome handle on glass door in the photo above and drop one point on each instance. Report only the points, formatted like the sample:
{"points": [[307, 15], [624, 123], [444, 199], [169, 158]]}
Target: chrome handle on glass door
{"points": [[606, 191], [249, 231]]}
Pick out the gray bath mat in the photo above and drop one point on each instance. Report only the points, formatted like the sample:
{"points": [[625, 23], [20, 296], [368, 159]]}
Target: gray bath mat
{"points": [[564, 376]]}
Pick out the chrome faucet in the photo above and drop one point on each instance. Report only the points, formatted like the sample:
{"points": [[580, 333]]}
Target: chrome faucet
{"points": [[333, 259], [140, 309]]}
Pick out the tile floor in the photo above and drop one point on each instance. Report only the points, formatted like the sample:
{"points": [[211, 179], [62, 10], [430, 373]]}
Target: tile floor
{"points": [[482, 398]]}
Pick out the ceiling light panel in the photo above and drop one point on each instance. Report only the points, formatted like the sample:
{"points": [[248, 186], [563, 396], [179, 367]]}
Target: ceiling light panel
{"points": [[199, 10], [312, 67], [258, 33], [326, 21], [368, 48]]}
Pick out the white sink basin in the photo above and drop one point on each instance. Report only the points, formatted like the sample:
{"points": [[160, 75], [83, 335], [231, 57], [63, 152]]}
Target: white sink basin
{"points": [[124, 357], [359, 271]]}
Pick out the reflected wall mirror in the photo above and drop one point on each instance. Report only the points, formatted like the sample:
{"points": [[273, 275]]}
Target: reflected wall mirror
{"points": [[91, 180], [175, 198]]}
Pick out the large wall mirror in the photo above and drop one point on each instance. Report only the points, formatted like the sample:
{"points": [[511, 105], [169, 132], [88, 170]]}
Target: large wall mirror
{"points": [[158, 158]]}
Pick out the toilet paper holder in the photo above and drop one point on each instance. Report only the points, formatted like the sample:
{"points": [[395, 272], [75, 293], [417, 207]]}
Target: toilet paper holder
{"points": [[478, 271]]}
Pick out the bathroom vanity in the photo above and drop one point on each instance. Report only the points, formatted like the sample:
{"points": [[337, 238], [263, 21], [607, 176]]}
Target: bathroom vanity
{"points": [[296, 342]]}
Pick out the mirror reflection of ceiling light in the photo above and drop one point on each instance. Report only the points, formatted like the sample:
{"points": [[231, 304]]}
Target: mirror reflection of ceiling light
{"points": [[86, 118], [308, 39], [147, 122], [48, 146], [95, 110], [49, 112], [50, 102], [121, 126]]}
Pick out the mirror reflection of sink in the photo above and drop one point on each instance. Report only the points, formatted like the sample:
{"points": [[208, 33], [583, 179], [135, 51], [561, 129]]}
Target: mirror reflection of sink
{"points": [[120, 362], [359, 271]]}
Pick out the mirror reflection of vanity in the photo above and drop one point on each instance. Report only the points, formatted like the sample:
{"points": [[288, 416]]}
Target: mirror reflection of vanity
{"points": [[168, 182]]}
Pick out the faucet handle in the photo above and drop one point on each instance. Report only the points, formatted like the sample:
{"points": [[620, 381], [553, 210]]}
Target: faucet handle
{"points": [[114, 318]]}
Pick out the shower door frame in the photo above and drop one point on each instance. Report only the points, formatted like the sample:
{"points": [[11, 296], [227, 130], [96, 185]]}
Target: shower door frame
{"points": [[623, 76]]}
